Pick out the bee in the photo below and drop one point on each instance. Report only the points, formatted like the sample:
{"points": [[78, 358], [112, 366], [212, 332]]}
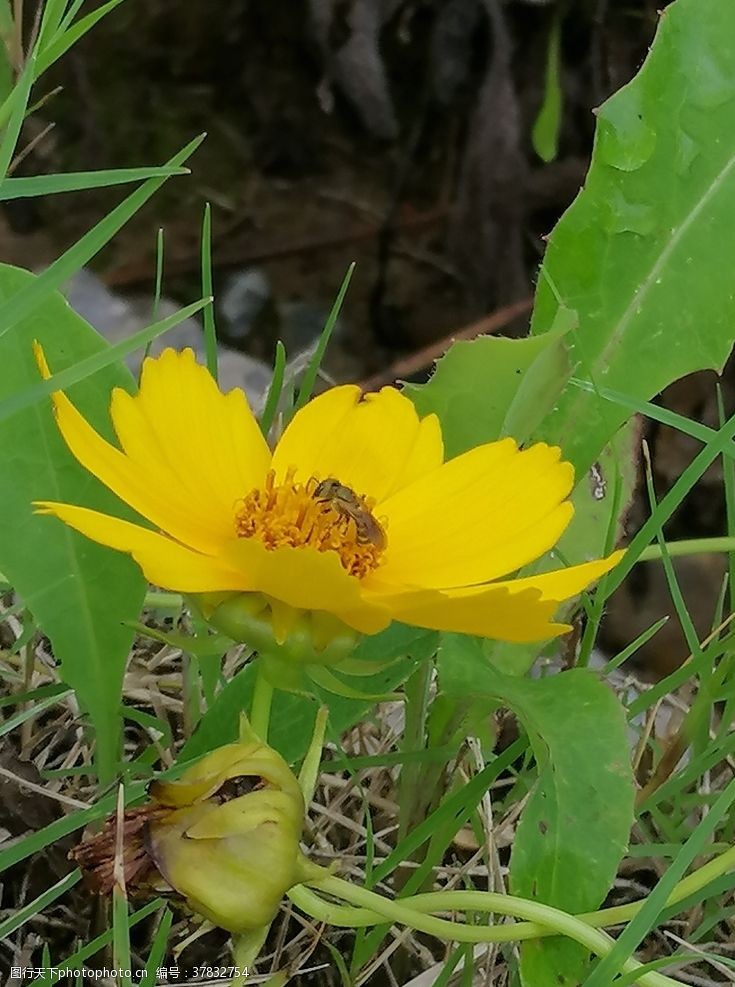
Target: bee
{"points": [[348, 504]]}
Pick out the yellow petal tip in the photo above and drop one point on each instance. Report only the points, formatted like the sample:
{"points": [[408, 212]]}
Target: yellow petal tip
{"points": [[40, 357]]}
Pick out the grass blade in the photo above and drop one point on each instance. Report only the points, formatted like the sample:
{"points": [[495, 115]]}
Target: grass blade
{"points": [[77, 181], [25, 301], [18, 103], [274, 391], [654, 904], [22, 915], [210, 332], [85, 368], [63, 42], [307, 385]]}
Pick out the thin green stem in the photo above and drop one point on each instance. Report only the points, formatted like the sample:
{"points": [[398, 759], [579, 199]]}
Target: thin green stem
{"points": [[260, 709], [556, 921], [689, 546], [448, 900]]}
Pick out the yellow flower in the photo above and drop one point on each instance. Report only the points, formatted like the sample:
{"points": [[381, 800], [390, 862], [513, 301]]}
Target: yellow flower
{"points": [[355, 514]]}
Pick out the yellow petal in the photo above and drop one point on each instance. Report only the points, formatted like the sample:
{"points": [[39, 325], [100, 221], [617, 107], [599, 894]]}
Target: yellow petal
{"points": [[210, 441], [301, 577], [369, 617], [159, 498], [164, 562], [495, 613], [369, 442], [479, 516], [520, 610], [426, 455], [563, 584]]}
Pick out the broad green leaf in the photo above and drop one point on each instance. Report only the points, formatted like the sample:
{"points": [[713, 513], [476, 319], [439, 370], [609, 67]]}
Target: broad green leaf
{"points": [[80, 593], [646, 253], [486, 388], [575, 826], [541, 384], [293, 717], [545, 133]]}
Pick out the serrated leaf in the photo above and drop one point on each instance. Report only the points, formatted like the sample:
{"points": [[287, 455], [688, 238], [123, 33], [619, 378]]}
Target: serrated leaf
{"points": [[80, 593], [485, 388], [575, 826], [645, 254]]}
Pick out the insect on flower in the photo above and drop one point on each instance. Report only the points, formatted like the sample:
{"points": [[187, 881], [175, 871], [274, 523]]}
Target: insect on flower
{"points": [[351, 506], [355, 519]]}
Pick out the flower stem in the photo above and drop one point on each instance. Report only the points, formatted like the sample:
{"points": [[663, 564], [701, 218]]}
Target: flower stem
{"points": [[260, 708], [361, 917], [689, 546], [555, 921]]}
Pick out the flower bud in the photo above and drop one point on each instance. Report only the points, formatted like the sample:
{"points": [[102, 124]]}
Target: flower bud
{"points": [[230, 845], [285, 637], [224, 836]]}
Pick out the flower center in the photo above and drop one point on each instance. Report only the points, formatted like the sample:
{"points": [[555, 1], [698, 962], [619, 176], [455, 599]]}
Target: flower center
{"points": [[325, 515]]}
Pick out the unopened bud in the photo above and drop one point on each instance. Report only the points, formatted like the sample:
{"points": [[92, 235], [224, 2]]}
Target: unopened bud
{"points": [[284, 636], [224, 836]]}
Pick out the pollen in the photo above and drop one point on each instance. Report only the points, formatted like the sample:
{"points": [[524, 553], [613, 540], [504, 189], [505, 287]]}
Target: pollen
{"points": [[290, 514]]}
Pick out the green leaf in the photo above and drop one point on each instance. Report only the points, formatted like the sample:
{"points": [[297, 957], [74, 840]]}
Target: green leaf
{"points": [[53, 12], [202, 646], [106, 357], [62, 42], [74, 181], [312, 370], [80, 593], [575, 826], [6, 35], [19, 305], [292, 717], [210, 330], [20, 916], [489, 387], [17, 103], [158, 949], [545, 133], [645, 252], [6, 21]]}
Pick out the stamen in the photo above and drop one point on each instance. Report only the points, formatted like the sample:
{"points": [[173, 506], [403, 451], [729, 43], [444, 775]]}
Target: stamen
{"points": [[290, 514]]}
